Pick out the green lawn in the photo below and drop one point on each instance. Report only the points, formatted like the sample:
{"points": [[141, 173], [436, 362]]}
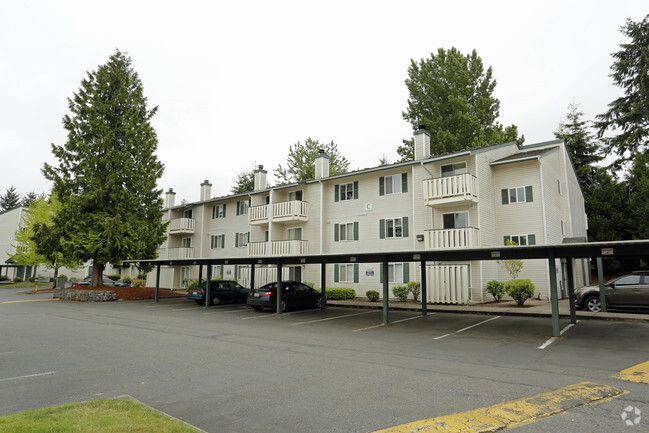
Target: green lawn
{"points": [[96, 416]]}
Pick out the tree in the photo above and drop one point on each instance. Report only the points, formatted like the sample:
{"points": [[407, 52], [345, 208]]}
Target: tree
{"points": [[581, 143], [41, 211], [300, 164], [452, 96], [638, 186], [245, 181], [629, 114], [107, 172], [28, 199], [10, 199]]}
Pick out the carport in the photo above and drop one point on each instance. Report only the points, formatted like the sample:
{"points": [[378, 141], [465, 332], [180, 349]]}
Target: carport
{"points": [[594, 250]]}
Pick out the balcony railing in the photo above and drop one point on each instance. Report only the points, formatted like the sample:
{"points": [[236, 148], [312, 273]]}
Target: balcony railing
{"points": [[176, 253], [294, 210], [466, 237], [278, 248], [451, 189], [182, 225]]}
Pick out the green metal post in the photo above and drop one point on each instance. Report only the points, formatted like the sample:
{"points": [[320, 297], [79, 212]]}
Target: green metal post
{"points": [[157, 284], [207, 285], [200, 274], [583, 272], [386, 293], [323, 284], [424, 293], [278, 304], [571, 291], [554, 296], [252, 276], [600, 277]]}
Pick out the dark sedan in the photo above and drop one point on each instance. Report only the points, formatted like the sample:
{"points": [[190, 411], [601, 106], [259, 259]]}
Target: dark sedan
{"points": [[220, 291], [294, 295], [106, 282], [626, 292]]}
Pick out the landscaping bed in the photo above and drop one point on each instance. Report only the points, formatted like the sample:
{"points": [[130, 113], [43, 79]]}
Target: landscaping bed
{"points": [[132, 293]]}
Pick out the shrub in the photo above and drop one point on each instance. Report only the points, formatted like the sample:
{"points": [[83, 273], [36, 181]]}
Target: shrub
{"points": [[372, 295], [401, 292], [138, 282], [497, 289], [114, 277], [190, 283], [3, 278], [337, 293], [128, 280], [141, 276], [63, 276], [520, 290], [414, 287], [18, 280]]}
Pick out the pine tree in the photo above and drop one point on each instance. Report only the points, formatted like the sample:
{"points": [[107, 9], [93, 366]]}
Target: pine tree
{"points": [[107, 172], [638, 187], [10, 199], [300, 164], [245, 181], [28, 199]]}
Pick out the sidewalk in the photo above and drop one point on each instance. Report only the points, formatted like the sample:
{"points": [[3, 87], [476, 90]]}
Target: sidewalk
{"points": [[543, 309]]}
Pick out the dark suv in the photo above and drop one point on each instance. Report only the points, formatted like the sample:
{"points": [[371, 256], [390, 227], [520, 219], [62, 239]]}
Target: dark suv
{"points": [[628, 291]]}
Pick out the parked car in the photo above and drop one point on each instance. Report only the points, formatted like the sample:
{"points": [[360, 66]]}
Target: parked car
{"points": [[220, 291], [627, 291], [294, 295], [106, 282]]}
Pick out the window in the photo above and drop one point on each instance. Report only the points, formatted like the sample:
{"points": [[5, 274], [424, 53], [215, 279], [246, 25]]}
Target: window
{"points": [[395, 272], [266, 235], [395, 184], [346, 232], [295, 195], [563, 228], [217, 242], [242, 207], [521, 239], [520, 194], [186, 242], [217, 271], [346, 273], [454, 169], [294, 234], [627, 280], [455, 220], [295, 274], [393, 228], [346, 191], [188, 213], [559, 187], [241, 239], [218, 211]]}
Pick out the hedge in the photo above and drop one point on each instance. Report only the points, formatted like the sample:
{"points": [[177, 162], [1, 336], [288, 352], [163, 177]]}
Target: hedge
{"points": [[338, 293]]}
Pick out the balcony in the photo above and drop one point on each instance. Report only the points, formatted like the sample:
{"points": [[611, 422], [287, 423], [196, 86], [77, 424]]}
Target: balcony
{"points": [[294, 210], [451, 190], [466, 237], [278, 248], [176, 253], [181, 226]]}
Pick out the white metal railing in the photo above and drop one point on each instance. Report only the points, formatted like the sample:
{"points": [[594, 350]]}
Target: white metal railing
{"points": [[182, 225], [448, 283], [462, 186], [258, 213], [294, 209], [180, 253], [466, 237], [279, 248]]}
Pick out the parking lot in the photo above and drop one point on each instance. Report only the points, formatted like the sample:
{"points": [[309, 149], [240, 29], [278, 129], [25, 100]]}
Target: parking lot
{"points": [[228, 368]]}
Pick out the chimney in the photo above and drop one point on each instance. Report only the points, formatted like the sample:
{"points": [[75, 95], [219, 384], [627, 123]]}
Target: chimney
{"points": [[259, 178], [206, 190], [170, 197], [321, 165], [422, 143]]}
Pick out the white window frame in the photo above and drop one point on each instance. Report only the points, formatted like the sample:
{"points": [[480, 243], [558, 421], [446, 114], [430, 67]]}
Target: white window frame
{"points": [[456, 169], [518, 239], [294, 230], [346, 273], [395, 272], [188, 213], [184, 241], [242, 239], [517, 195], [292, 196], [393, 184], [394, 227], [242, 207], [346, 191], [217, 242], [348, 230], [218, 211], [455, 220]]}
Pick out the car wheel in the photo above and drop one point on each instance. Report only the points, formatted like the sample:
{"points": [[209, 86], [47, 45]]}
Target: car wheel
{"points": [[258, 307], [216, 301], [593, 304], [282, 306], [318, 302]]}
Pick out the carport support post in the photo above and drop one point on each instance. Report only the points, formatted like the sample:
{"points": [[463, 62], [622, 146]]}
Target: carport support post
{"points": [[571, 291], [424, 294], [386, 292], [157, 283], [278, 298], [554, 296], [252, 276], [207, 285], [323, 284], [600, 278], [200, 274]]}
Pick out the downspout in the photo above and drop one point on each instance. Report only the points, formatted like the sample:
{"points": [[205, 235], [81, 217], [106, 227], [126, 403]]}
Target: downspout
{"points": [[321, 216], [202, 228], [269, 245], [414, 225], [545, 227]]}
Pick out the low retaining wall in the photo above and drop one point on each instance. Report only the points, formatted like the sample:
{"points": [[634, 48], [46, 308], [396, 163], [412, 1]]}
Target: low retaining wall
{"points": [[85, 295]]}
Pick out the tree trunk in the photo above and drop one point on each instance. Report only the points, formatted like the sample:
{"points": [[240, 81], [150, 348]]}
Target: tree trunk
{"points": [[56, 275], [97, 274]]}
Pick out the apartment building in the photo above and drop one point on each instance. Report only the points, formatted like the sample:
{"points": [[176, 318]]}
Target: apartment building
{"points": [[481, 197]]}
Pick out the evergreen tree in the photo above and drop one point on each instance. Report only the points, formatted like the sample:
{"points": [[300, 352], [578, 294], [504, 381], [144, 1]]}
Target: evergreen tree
{"points": [[28, 199], [452, 96], [10, 199], [628, 115], [638, 187], [581, 143], [300, 164], [107, 173], [245, 181]]}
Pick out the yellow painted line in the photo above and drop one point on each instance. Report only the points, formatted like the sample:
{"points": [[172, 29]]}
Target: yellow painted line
{"points": [[30, 300], [638, 373], [514, 413]]}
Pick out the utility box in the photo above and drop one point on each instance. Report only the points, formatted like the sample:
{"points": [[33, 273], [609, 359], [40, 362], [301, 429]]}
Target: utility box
{"points": [[60, 282]]}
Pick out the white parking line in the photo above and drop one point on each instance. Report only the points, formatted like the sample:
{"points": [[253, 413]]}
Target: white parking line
{"points": [[383, 324], [163, 305], [187, 308], [6, 353], [468, 327], [259, 317], [336, 317], [553, 339], [220, 310], [28, 376]]}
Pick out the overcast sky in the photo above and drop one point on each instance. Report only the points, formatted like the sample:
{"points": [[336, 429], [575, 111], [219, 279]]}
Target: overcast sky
{"points": [[238, 82]]}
